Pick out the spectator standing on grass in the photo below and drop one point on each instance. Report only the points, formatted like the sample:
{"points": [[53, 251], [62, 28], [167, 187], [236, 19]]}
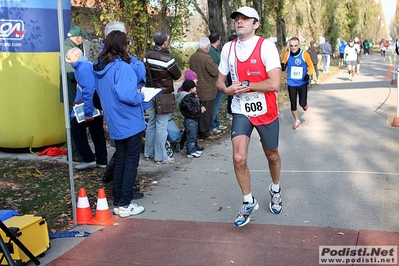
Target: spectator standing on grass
{"points": [[216, 127], [162, 70], [202, 64], [84, 94], [191, 109], [314, 52], [326, 50], [121, 101], [74, 39], [253, 85], [299, 68]]}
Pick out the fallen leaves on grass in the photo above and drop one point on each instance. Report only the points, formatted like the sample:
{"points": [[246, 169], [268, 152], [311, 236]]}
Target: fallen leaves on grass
{"points": [[43, 187]]}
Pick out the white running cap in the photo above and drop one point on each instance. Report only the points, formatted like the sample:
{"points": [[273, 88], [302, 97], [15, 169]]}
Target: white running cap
{"points": [[247, 11]]}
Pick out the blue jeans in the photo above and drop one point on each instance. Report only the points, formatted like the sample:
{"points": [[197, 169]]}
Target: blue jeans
{"points": [[326, 62], [125, 169], [191, 129], [156, 134], [216, 106]]}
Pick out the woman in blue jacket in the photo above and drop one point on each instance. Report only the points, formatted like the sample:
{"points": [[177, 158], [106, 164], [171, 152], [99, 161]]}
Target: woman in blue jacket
{"points": [[121, 101]]}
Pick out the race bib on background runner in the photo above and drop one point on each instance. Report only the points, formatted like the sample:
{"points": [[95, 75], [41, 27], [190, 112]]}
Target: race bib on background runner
{"points": [[253, 103], [296, 72]]}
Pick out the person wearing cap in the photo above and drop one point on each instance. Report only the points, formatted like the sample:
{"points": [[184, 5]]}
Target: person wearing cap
{"points": [[189, 75], [162, 70], [254, 65], [74, 39], [350, 54], [191, 109], [202, 64]]}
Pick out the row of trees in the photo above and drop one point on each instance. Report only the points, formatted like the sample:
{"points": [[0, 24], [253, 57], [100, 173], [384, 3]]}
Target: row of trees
{"points": [[279, 18]]}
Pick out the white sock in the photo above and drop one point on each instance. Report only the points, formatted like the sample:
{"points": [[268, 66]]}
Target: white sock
{"points": [[248, 198], [275, 188]]}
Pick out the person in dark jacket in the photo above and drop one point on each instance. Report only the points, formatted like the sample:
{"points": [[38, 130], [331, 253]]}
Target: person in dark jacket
{"points": [[74, 39], [202, 64], [313, 52], [162, 70], [190, 108]]}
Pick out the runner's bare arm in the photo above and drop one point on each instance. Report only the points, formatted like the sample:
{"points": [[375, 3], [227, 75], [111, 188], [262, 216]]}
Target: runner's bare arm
{"points": [[272, 83]]}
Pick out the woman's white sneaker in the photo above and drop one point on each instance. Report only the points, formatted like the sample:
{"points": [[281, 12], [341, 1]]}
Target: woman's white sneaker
{"points": [[132, 209]]}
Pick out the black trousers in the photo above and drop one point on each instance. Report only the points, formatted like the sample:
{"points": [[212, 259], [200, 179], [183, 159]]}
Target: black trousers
{"points": [[205, 120], [96, 129], [302, 92]]}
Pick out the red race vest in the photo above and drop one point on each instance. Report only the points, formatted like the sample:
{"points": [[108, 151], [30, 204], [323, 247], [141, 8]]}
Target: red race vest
{"points": [[254, 70]]}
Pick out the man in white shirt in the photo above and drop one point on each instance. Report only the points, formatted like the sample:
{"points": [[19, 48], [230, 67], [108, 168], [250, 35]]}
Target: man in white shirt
{"points": [[350, 54], [254, 65]]}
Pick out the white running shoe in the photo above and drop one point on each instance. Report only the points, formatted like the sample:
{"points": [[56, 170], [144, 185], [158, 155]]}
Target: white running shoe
{"points": [[216, 130], [168, 160], [296, 125], [132, 209], [194, 155]]}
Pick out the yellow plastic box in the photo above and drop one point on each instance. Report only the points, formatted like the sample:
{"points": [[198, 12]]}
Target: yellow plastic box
{"points": [[32, 231]]}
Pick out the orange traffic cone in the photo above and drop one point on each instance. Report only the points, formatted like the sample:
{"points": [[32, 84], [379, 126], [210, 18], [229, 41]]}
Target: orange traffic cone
{"points": [[103, 215], [83, 210]]}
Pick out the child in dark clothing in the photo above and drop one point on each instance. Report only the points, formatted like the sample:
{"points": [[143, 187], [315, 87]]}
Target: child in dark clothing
{"points": [[191, 110]]}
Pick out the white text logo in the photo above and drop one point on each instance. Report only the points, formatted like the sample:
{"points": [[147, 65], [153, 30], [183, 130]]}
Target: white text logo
{"points": [[12, 29]]}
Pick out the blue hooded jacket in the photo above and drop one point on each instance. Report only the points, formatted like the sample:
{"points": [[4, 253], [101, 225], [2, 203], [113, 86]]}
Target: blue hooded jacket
{"points": [[86, 83], [116, 86]]}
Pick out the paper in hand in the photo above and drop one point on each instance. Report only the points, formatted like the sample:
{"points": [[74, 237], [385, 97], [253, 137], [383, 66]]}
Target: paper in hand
{"points": [[149, 93]]}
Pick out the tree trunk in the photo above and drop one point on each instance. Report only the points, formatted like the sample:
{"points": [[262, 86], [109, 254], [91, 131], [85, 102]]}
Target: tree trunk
{"points": [[229, 29], [215, 14], [280, 24]]}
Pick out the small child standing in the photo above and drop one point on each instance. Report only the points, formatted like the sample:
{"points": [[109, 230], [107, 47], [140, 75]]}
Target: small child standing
{"points": [[191, 110]]}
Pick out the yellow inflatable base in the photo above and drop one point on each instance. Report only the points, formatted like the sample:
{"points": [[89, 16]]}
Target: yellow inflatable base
{"points": [[31, 114]]}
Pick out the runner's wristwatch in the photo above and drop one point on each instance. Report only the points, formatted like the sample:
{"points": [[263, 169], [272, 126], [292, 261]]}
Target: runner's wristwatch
{"points": [[245, 83]]}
